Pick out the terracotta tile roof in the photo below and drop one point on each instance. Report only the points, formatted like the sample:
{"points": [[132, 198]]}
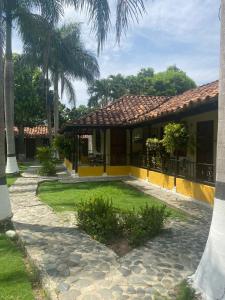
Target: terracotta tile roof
{"points": [[33, 132], [198, 96], [121, 111], [130, 110]]}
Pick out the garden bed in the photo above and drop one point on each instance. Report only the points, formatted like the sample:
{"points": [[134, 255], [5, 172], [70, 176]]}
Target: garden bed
{"points": [[64, 197], [113, 212]]}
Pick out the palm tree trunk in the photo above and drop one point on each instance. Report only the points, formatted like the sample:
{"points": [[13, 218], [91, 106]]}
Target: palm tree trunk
{"points": [[11, 166], [48, 109], [21, 143], [209, 278], [5, 208], [56, 103]]}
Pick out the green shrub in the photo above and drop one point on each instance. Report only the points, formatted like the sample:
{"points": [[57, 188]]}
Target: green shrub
{"points": [[47, 161], [103, 222], [175, 137], [185, 292], [64, 145], [98, 218], [155, 146], [142, 225]]}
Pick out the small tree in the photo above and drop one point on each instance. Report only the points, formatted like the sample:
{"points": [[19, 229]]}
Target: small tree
{"points": [[46, 158], [155, 150], [64, 145], [175, 140]]}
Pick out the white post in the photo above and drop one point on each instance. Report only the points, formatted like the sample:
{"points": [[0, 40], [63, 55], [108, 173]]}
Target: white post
{"points": [[209, 278], [5, 207]]}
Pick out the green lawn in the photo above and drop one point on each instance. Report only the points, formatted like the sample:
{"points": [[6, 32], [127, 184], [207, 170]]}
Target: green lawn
{"points": [[63, 197], [12, 178], [14, 279]]}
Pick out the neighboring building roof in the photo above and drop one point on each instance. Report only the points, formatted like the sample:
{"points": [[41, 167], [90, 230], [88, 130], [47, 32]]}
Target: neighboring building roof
{"points": [[122, 110], [130, 110], [34, 132]]}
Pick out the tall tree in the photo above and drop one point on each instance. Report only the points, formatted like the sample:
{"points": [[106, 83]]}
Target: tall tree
{"points": [[171, 82], [209, 278], [21, 12], [5, 208], [29, 98], [68, 61]]}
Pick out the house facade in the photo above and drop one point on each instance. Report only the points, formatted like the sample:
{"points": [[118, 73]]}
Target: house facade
{"points": [[34, 137], [117, 134]]}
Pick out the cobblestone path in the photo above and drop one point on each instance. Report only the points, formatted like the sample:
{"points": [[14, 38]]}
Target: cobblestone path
{"points": [[73, 266]]}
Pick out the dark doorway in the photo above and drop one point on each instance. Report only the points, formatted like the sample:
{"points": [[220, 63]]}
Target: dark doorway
{"points": [[118, 146], [204, 149], [30, 148]]}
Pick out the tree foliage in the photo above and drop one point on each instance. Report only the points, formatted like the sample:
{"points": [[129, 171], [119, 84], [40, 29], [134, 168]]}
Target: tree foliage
{"points": [[29, 94], [171, 82], [70, 114], [175, 138]]}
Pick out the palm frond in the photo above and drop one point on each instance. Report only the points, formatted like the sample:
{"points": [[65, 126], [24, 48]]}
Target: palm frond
{"points": [[70, 91], [52, 10], [127, 11], [2, 27], [99, 17]]}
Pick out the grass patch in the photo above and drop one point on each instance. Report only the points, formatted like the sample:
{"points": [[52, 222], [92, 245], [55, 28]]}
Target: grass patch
{"points": [[12, 178], [185, 292], [64, 197], [15, 280]]}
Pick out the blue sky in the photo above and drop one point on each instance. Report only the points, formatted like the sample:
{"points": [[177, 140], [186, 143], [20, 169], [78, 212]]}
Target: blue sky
{"points": [[181, 32]]}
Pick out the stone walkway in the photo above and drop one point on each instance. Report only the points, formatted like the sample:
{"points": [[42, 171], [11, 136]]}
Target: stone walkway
{"points": [[73, 266]]}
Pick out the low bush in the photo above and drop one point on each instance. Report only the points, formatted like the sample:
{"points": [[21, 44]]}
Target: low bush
{"points": [[103, 222], [142, 225], [98, 218], [64, 145], [185, 292], [47, 161]]}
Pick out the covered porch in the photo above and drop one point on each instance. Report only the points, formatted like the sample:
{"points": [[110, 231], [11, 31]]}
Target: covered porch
{"points": [[112, 141]]}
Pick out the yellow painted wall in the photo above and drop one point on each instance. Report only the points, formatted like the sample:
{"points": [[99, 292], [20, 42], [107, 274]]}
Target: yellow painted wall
{"points": [[68, 165], [163, 180], [117, 170], [138, 172], [90, 171], [195, 190], [184, 187]]}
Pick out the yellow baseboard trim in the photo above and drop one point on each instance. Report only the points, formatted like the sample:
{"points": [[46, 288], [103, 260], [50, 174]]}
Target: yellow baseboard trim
{"points": [[85, 171], [139, 173], [118, 170], [162, 180], [196, 191]]}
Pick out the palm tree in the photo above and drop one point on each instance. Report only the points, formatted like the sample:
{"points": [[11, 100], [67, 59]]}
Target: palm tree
{"points": [[68, 61], [21, 10], [5, 210], [209, 278]]}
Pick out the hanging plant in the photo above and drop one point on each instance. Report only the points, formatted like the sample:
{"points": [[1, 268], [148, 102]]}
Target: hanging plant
{"points": [[155, 146]]}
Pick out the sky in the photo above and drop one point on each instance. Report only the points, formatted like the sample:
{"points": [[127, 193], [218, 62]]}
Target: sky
{"points": [[172, 32]]}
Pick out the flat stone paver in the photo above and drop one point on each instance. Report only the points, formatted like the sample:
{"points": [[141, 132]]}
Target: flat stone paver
{"points": [[74, 266]]}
